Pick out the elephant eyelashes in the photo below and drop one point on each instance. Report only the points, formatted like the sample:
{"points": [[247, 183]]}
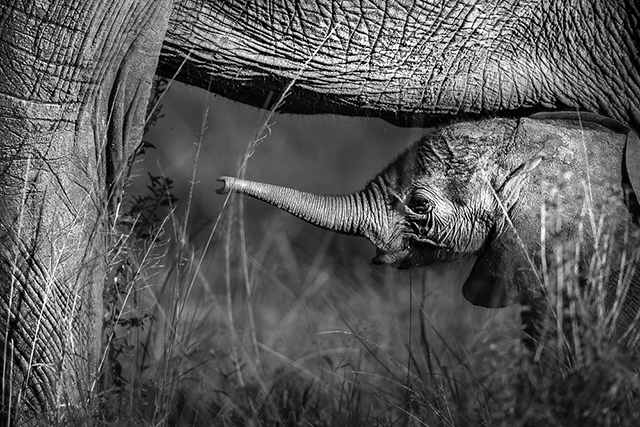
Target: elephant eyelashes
{"points": [[419, 205], [420, 209]]}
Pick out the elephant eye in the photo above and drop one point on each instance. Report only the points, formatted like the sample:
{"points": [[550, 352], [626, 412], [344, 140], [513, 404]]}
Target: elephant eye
{"points": [[418, 204], [421, 209]]}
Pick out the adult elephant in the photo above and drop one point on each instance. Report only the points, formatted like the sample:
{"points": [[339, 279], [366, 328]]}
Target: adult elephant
{"points": [[75, 78]]}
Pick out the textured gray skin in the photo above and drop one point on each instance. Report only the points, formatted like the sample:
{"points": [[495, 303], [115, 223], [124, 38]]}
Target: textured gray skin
{"points": [[410, 61], [75, 78], [477, 189]]}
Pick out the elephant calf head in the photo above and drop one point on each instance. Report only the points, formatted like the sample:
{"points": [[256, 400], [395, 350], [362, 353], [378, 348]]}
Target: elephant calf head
{"points": [[477, 189]]}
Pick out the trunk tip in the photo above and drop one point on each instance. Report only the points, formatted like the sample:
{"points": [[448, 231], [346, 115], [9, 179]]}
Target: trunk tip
{"points": [[227, 184]]}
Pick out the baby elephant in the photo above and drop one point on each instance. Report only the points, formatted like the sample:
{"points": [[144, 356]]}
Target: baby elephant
{"points": [[479, 189]]}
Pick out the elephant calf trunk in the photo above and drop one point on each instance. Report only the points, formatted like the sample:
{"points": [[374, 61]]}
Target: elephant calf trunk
{"points": [[347, 214]]}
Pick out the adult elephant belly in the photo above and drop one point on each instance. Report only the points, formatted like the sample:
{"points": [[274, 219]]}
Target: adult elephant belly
{"points": [[411, 62]]}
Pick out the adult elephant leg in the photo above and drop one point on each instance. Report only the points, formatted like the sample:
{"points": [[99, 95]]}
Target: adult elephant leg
{"points": [[50, 271], [74, 86]]}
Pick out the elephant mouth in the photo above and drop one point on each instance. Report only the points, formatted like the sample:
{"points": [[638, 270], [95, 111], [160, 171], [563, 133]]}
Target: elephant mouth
{"points": [[399, 259], [410, 257]]}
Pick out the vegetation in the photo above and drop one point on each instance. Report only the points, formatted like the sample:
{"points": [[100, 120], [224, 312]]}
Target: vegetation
{"points": [[273, 337]]}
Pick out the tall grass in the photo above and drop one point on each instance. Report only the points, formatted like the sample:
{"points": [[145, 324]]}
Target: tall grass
{"points": [[586, 360], [352, 348], [227, 335]]}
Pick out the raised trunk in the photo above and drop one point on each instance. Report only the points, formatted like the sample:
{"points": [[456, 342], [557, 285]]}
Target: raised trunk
{"points": [[74, 85], [358, 214], [407, 61]]}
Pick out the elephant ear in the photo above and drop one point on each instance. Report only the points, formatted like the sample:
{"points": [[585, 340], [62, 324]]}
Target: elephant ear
{"points": [[503, 272]]}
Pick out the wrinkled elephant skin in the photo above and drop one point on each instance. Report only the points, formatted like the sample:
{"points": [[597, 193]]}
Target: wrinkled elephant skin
{"points": [[75, 79], [410, 61]]}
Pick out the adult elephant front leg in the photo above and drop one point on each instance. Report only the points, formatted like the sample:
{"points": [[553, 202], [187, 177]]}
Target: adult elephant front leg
{"points": [[73, 92], [49, 272]]}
